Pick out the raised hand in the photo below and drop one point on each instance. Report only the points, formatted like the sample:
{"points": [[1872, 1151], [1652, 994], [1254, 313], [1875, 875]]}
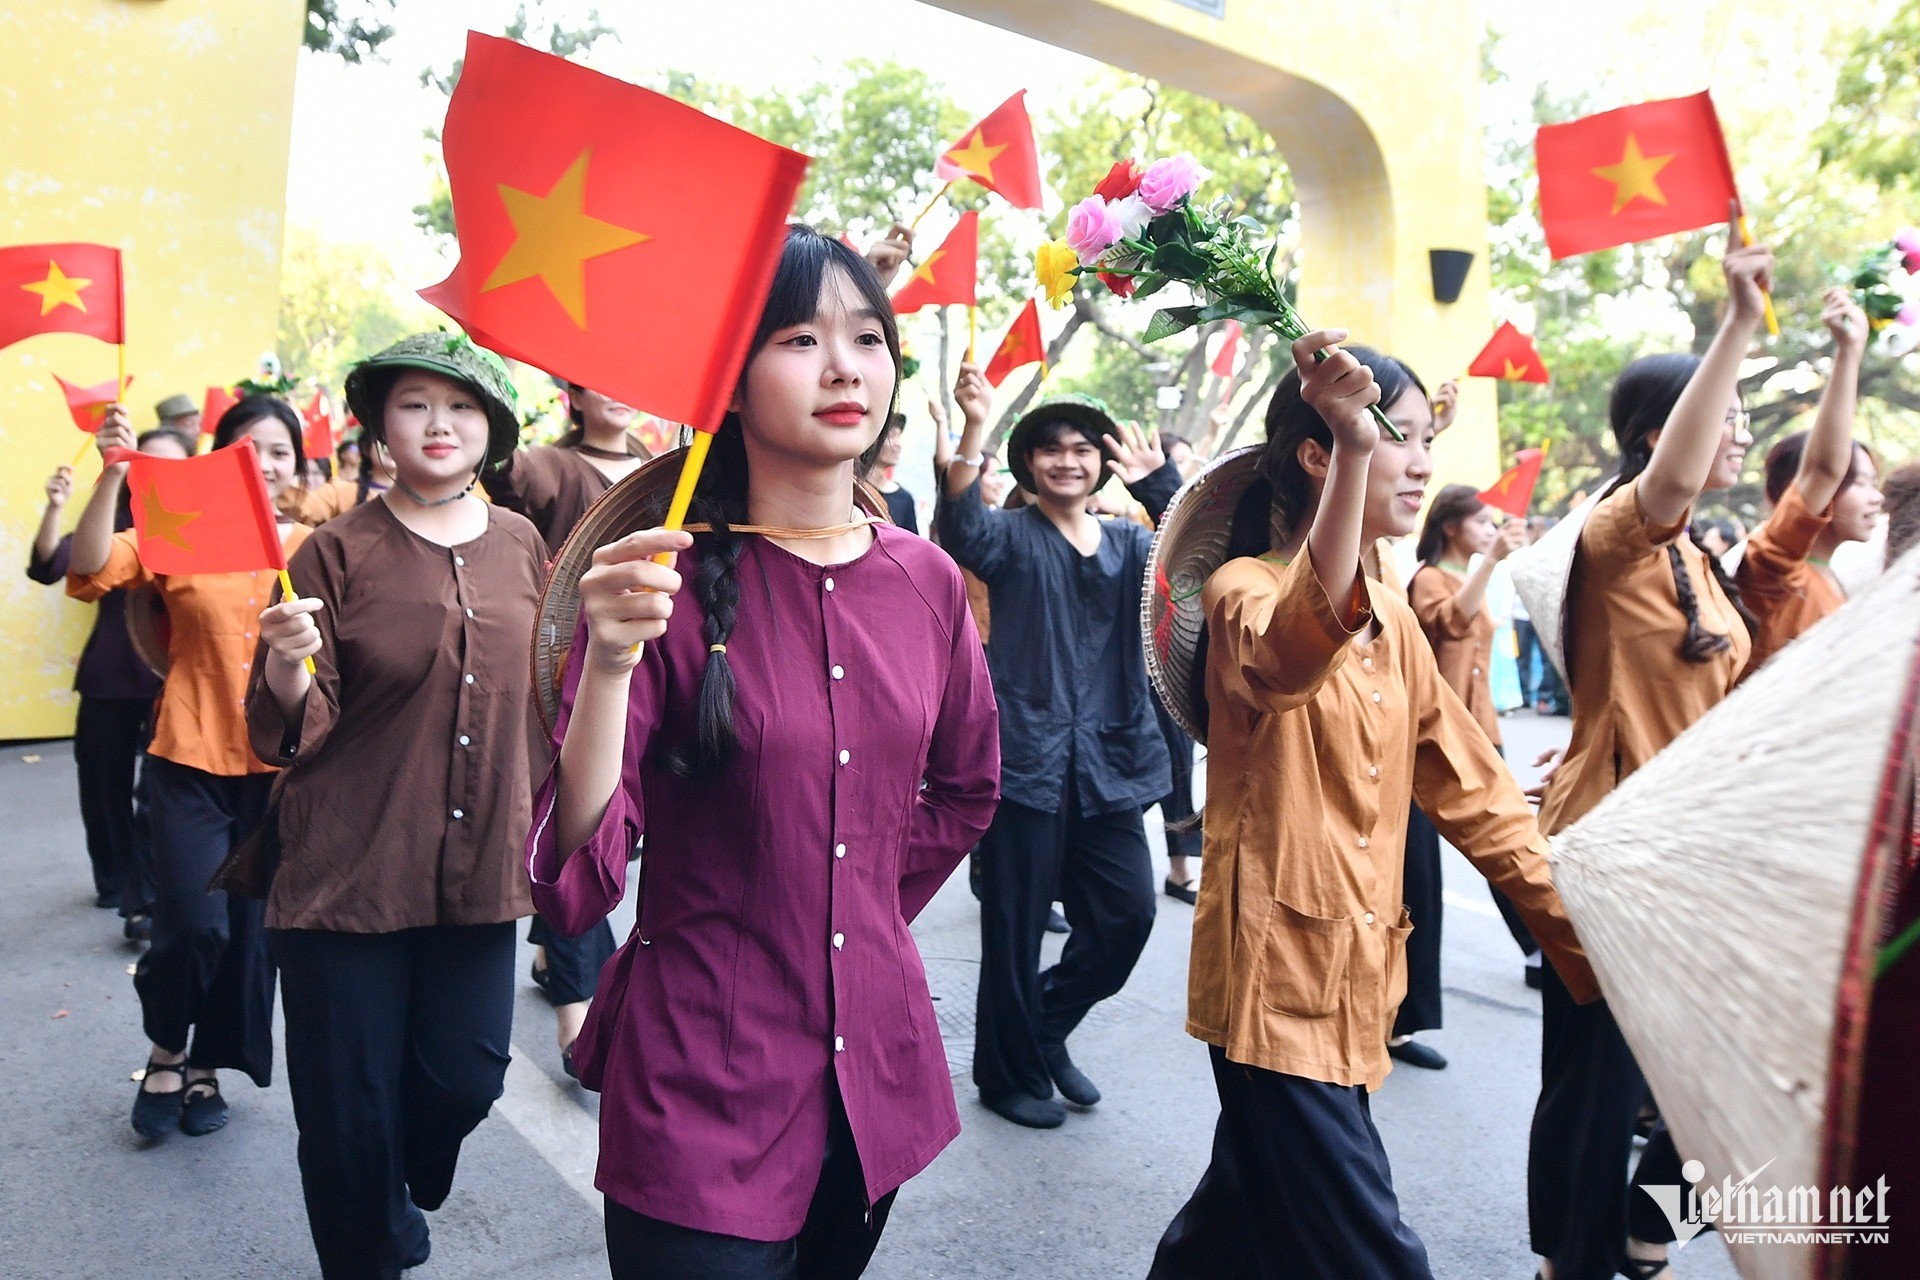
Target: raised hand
{"points": [[1340, 389], [887, 254], [627, 598], [1749, 273], [289, 630], [1844, 319], [1134, 454], [116, 432], [59, 487], [1446, 405], [972, 394], [1512, 537]]}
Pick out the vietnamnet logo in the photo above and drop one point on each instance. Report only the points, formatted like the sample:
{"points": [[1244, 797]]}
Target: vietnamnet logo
{"points": [[1745, 1214]]}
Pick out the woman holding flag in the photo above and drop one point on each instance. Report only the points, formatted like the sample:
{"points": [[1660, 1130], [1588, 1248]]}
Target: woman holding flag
{"points": [[205, 985], [404, 808], [799, 722]]}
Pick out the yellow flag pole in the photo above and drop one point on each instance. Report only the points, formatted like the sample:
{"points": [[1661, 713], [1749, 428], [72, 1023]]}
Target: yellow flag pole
{"points": [[85, 445], [286, 593], [683, 489], [932, 204], [973, 329], [1746, 238]]}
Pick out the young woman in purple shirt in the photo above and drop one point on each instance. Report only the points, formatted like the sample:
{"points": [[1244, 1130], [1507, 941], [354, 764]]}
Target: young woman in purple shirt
{"points": [[800, 723]]}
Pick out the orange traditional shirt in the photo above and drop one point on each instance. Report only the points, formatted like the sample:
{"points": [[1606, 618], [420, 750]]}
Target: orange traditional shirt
{"points": [[1316, 747], [1462, 643], [214, 618], [1782, 587]]}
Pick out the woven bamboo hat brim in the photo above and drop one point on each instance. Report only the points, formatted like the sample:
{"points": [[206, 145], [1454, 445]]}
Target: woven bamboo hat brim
{"points": [[1732, 896], [633, 504], [149, 627], [1541, 572], [1191, 544]]}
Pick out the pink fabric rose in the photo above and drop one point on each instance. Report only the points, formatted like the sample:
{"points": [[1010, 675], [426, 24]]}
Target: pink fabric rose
{"points": [[1908, 243], [1092, 228], [1133, 215], [1907, 316], [1168, 181]]}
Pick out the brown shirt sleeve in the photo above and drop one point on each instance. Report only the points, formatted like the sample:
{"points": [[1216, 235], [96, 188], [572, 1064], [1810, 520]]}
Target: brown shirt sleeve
{"points": [[1619, 533], [316, 571], [1274, 634], [1433, 596]]}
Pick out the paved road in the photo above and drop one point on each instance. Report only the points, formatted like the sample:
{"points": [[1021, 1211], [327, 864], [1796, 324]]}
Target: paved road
{"points": [[81, 1198]]}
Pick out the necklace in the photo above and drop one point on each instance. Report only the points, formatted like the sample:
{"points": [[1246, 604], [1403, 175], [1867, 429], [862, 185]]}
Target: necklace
{"points": [[625, 455], [419, 501]]}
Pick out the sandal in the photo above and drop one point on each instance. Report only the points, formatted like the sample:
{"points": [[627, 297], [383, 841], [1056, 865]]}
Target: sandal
{"points": [[203, 1112], [155, 1113]]}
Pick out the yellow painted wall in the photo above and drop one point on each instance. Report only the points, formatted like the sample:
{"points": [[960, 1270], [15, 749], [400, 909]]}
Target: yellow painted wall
{"points": [[160, 126], [1375, 105]]}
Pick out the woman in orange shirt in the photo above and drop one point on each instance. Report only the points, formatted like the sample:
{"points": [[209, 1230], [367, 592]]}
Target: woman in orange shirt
{"points": [[206, 978]]}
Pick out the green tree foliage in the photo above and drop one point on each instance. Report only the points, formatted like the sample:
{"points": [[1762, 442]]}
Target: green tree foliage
{"points": [[1876, 103], [351, 30], [336, 307]]}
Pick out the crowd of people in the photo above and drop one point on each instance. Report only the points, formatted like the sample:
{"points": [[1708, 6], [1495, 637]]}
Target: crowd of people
{"points": [[788, 724]]}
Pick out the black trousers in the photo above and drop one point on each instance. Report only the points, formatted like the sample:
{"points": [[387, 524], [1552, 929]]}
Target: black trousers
{"points": [[207, 974], [1591, 1091], [1420, 1010], [109, 735], [1298, 1189], [1177, 807], [573, 964], [397, 1047], [1104, 875], [836, 1242]]}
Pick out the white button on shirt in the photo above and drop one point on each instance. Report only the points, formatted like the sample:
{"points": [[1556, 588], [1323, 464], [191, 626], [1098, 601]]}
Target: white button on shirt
{"points": [[839, 673], [845, 756], [839, 1044], [459, 813], [828, 584], [1363, 842], [465, 741], [839, 851], [839, 941], [1376, 697], [1369, 917]]}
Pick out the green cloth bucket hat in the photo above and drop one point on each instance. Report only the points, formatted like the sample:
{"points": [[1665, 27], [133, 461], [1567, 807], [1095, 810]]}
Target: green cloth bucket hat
{"points": [[452, 355]]}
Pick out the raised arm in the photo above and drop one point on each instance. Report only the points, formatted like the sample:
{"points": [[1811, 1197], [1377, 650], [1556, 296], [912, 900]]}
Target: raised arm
{"points": [[1467, 601], [1340, 389], [1829, 451], [93, 536], [1683, 456], [46, 539]]}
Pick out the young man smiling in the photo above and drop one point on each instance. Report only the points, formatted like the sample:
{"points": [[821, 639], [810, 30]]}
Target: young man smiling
{"points": [[1081, 753]]}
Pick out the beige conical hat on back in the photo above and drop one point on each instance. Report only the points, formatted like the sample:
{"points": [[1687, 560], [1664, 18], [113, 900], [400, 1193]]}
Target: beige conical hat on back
{"points": [[1732, 895], [1541, 572]]}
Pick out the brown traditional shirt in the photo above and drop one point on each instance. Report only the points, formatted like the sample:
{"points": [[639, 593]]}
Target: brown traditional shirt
{"points": [[213, 620], [1462, 643], [1782, 587], [1632, 691], [549, 485], [406, 801], [1316, 747]]}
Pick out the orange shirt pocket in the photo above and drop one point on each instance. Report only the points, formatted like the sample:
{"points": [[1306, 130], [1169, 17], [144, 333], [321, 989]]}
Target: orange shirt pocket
{"points": [[1303, 971], [1397, 960]]}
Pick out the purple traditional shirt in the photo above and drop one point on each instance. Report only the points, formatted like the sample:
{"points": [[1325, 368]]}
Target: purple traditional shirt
{"points": [[772, 912]]}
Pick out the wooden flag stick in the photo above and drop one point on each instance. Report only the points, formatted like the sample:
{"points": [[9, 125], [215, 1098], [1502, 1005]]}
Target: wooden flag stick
{"points": [[919, 217], [683, 489], [1746, 238], [286, 593]]}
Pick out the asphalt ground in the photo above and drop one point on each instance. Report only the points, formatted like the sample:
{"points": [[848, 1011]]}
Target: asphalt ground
{"points": [[80, 1196]]}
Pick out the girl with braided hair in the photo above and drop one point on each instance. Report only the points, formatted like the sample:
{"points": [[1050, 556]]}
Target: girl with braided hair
{"points": [[798, 719], [1655, 636]]}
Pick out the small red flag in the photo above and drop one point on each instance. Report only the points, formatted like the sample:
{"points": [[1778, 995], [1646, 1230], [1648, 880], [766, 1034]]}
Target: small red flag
{"points": [[1510, 356], [1632, 174], [998, 153], [949, 273], [598, 221], [61, 288], [1229, 348], [1023, 345], [208, 514], [1513, 492], [316, 433], [88, 405], [218, 401]]}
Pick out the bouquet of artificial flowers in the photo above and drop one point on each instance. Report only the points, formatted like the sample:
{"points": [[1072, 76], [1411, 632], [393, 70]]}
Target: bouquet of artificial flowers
{"points": [[1141, 230], [1872, 281]]}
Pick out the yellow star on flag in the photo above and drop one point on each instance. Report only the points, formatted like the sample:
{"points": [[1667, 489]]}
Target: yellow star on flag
{"points": [[1635, 175], [554, 237], [59, 289], [975, 156], [162, 525], [925, 270], [1501, 486], [1514, 372]]}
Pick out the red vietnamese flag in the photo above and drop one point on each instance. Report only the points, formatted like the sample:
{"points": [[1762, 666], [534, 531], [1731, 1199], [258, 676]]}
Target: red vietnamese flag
{"points": [[61, 288], [998, 153], [1023, 345], [1633, 174], [1229, 348], [609, 235], [949, 273], [316, 432], [1513, 492], [88, 405], [218, 401], [1510, 356], [208, 514]]}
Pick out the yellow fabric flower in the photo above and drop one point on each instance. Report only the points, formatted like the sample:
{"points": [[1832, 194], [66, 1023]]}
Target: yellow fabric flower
{"points": [[1055, 263]]}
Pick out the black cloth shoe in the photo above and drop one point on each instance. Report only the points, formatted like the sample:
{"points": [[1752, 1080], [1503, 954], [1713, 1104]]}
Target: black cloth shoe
{"points": [[1535, 975], [108, 901], [1027, 1110], [1071, 1080], [1057, 923], [1182, 892], [541, 979], [137, 928], [203, 1110], [1415, 1054], [156, 1114]]}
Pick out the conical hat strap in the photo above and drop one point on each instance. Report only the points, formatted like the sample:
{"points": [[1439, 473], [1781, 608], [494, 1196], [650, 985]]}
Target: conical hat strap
{"points": [[798, 535]]}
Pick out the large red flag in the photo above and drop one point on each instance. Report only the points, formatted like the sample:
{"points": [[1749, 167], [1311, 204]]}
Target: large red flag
{"points": [[998, 153], [609, 235], [1633, 174], [949, 273], [1023, 345], [1510, 356], [208, 514], [1513, 492], [61, 288], [88, 405], [316, 432]]}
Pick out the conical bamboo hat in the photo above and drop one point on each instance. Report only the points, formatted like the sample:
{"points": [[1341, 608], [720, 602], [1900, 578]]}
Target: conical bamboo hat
{"points": [[628, 506], [1732, 895], [1541, 572]]}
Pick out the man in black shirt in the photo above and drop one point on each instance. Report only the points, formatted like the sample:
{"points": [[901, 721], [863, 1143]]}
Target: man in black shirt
{"points": [[1081, 753], [900, 504]]}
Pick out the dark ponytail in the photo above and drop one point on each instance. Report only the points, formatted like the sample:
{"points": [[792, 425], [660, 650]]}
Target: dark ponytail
{"points": [[1642, 401], [720, 500]]}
